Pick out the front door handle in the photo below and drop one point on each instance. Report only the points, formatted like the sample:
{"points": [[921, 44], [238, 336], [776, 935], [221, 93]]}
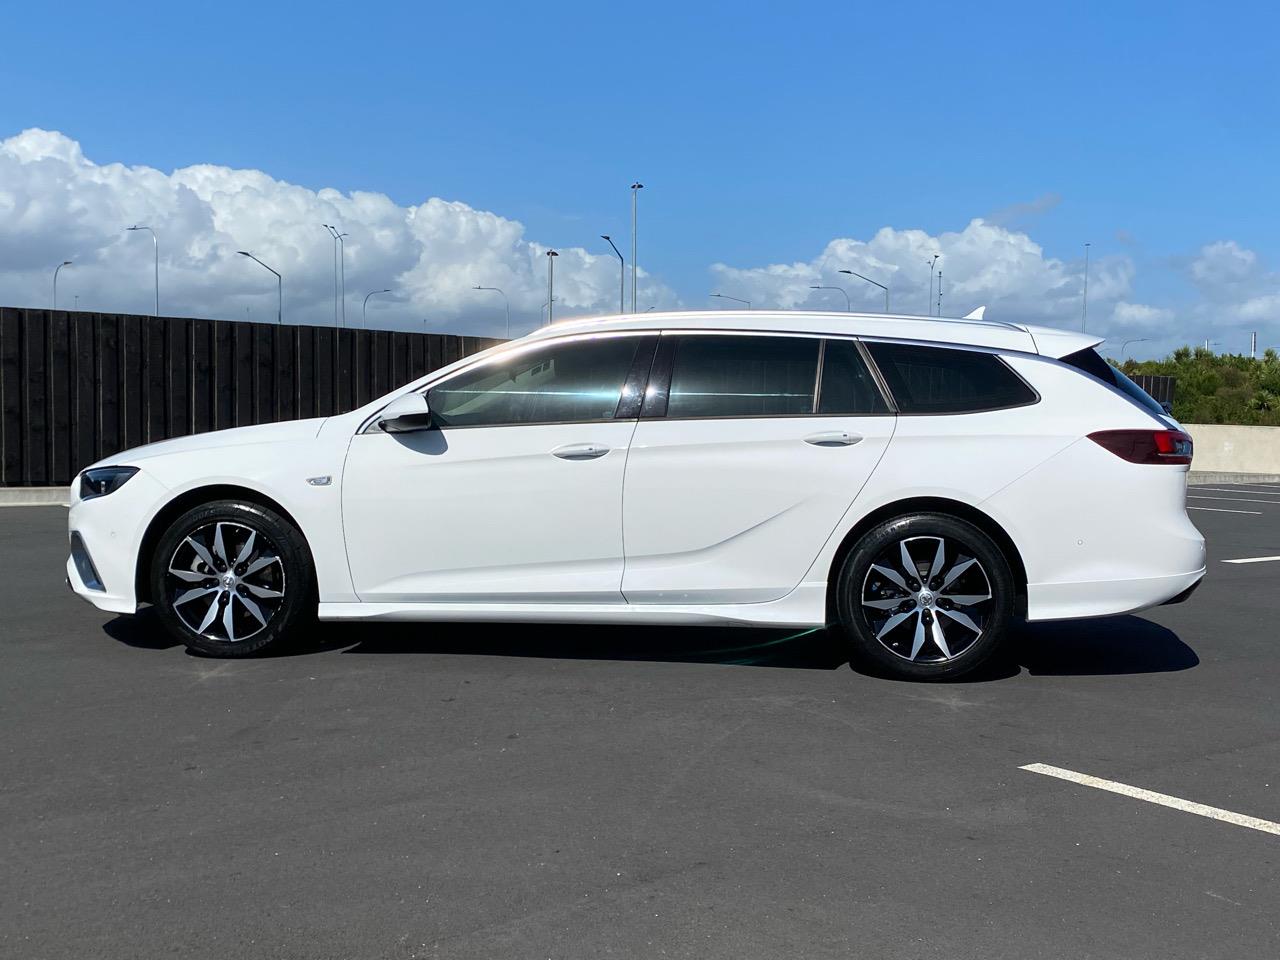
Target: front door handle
{"points": [[833, 438], [580, 451]]}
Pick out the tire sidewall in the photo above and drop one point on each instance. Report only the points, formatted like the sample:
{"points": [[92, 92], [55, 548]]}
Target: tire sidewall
{"points": [[298, 602], [868, 652]]}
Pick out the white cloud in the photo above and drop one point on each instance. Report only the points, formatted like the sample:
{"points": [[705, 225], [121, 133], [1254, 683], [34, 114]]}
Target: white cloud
{"points": [[1140, 317], [58, 205], [983, 264]]}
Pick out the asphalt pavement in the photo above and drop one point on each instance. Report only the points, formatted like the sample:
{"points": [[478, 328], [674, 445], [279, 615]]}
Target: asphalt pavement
{"points": [[462, 791]]}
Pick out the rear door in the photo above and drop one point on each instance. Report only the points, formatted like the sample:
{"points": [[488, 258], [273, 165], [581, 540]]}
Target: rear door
{"points": [[749, 449]]}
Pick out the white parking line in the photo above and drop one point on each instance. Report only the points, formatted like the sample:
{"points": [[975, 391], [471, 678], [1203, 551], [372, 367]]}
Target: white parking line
{"points": [[1252, 560], [1256, 493], [1192, 496], [1256, 513], [1176, 803]]}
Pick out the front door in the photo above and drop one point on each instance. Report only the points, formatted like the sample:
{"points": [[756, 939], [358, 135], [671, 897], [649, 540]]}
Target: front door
{"points": [[514, 495], [736, 482]]}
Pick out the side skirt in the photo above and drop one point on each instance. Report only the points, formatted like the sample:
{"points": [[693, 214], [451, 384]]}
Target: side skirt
{"points": [[805, 606]]}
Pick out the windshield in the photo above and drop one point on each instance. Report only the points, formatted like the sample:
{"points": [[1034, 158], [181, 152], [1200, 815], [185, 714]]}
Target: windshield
{"points": [[1091, 363]]}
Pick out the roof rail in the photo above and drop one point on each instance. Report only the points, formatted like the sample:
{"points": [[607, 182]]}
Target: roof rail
{"points": [[1021, 328]]}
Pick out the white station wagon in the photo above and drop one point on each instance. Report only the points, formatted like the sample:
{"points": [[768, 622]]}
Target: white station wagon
{"points": [[917, 482]]}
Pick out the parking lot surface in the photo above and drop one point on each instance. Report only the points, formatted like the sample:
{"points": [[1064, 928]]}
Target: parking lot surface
{"points": [[461, 791]]}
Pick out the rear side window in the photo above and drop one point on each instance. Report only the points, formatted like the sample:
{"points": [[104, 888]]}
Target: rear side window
{"points": [[943, 380], [1091, 363], [847, 388], [729, 376]]}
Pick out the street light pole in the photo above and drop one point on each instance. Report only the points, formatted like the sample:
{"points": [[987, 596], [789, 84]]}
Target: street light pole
{"points": [[364, 307], [724, 296], [506, 303], [929, 302], [1084, 308], [339, 265], [635, 191], [551, 283], [873, 283], [156, 245], [622, 274], [848, 304], [64, 263], [279, 286], [1125, 346]]}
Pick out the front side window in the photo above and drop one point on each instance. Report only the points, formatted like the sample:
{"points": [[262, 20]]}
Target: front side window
{"points": [[946, 380], [732, 376], [575, 381]]}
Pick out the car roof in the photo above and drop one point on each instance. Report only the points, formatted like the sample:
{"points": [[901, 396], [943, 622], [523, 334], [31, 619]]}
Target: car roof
{"points": [[993, 334]]}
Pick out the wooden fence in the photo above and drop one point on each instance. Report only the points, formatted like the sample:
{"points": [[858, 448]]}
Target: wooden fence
{"points": [[76, 387]]}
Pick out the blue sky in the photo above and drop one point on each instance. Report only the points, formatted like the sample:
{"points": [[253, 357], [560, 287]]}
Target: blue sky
{"points": [[761, 133]]}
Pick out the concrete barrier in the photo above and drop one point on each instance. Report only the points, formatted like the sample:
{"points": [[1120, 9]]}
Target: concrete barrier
{"points": [[1229, 448]]}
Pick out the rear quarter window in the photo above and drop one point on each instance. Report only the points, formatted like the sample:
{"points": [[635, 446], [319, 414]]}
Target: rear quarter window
{"points": [[945, 380], [1091, 362]]}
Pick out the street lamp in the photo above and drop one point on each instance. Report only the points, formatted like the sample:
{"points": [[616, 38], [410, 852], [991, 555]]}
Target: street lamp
{"points": [[505, 301], [339, 264], [622, 274], [156, 244], [64, 263], [635, 192], [929, 302], [1084, 307], [364, 307], [725, 296], [873, 283], [1125, 346], [848, 304], [551, 283], [279, 286]]}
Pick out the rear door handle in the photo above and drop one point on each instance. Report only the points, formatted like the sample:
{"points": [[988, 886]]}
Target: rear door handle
{"points": [[580, 451], [833, 438]]}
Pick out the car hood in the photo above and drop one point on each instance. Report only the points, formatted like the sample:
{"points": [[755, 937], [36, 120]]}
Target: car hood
{"points": [[234, 437]]}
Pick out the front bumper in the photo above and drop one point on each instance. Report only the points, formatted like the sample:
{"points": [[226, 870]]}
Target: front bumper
{"points": [[104, 535]]}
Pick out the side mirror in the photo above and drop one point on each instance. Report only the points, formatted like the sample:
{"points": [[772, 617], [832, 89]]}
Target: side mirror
{"points": [[406, 414]]}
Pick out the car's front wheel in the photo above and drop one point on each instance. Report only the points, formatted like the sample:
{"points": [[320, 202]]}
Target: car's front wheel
{"points": [[926, 596], [230, 579]]}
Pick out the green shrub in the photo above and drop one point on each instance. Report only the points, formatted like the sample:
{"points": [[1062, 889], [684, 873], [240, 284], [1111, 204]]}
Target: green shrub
{"points": [[1218, 388]]}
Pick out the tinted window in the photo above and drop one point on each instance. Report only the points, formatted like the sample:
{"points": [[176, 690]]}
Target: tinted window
{"points": [[1090, 362], [715, 376], [942, 380], [561, 382], [847, 385]]}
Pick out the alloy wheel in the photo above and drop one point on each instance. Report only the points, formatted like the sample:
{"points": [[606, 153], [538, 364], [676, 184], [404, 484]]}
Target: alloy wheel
{"points": [[225, 581], [926, 599]]}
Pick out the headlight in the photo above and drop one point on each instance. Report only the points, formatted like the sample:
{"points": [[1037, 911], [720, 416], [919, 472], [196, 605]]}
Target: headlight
{"points": [[103, 480]]}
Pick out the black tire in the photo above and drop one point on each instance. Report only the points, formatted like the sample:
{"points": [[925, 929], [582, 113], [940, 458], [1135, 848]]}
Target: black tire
{"points": [[262, 573], [911, 647]]}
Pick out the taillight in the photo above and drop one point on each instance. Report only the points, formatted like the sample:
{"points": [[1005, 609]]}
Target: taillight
{"points": [[1146, 446]]}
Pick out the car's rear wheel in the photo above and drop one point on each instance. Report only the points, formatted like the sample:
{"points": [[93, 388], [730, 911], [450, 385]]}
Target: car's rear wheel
{"points": [[231, 579], [925, 596]]}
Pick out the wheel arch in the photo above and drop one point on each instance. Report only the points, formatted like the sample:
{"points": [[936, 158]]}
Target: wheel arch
{"points": [[187, 500], [943, 505]]}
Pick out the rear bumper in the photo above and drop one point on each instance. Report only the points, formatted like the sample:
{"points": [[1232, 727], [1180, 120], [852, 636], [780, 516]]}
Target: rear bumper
{"points": [[1102, 598]]}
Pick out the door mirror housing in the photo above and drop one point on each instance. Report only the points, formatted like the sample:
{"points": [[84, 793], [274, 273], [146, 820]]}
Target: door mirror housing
{"points": [[406, 414]]}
